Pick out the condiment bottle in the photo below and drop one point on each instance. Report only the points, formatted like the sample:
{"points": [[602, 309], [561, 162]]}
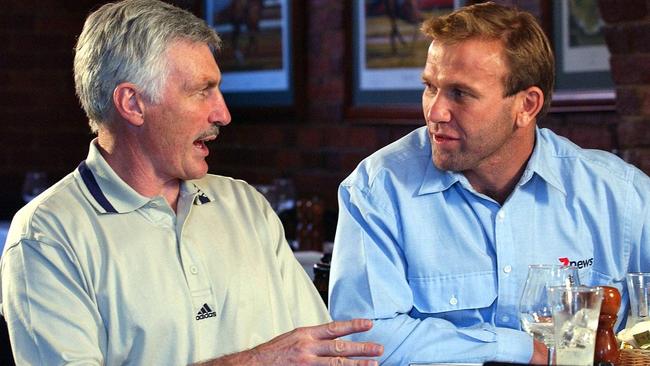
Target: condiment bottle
{"points": [[606, 346]]}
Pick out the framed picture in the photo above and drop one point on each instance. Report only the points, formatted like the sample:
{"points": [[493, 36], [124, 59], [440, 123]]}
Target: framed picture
{"points": [[389, 55], [389, 50], [256, 56], [582, 58]]}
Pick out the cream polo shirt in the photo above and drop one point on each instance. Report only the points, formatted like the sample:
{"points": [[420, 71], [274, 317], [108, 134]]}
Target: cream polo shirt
{"points": [[94, 273]]}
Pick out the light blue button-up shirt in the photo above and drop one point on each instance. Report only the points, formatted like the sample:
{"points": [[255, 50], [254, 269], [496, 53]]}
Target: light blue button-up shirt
{"points": [[441, 267]]}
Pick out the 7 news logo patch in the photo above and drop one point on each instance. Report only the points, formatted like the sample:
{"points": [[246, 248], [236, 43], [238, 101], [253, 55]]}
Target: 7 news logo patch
{"points": [[584, 263]]}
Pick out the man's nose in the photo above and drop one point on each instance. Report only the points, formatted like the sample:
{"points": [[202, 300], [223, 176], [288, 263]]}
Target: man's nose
{"points": [[220, 115], [437, 110]]}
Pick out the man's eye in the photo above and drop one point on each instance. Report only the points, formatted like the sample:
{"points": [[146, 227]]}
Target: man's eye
{"points": [[429, 88], [458, 94]]}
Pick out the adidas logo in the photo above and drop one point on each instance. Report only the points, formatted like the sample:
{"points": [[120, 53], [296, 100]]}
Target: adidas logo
{"points": [[205, 313]]}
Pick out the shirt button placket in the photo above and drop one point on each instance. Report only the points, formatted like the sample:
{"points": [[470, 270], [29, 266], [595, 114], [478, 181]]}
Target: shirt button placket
{"points": [[503, 246], [501, 215]]}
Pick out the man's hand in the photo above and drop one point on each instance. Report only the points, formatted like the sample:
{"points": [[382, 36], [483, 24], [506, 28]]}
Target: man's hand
{"points": [[540, 353], [317, 345]]}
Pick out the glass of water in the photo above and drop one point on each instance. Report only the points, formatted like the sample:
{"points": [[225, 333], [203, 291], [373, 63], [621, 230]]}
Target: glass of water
{"points": [[534, 308], [575, 317], [638, 287]]}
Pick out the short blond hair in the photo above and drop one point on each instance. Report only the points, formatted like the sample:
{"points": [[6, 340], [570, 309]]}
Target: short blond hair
{"points": [[528, 52]]}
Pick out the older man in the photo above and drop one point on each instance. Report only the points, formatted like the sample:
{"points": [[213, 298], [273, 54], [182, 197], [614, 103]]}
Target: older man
{"points": [[140, 258]]}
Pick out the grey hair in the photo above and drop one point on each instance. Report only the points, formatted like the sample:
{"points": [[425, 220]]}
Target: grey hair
{"points": [[126, 42]]}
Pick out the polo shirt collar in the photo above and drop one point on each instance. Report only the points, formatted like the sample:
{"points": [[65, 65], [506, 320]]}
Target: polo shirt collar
{"points": [[435, 180], [108, 193], [106, 190], [192, 188]]}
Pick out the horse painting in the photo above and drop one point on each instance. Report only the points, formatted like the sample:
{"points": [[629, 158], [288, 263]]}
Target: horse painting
{"points": [[406, 10], [245, 13]]}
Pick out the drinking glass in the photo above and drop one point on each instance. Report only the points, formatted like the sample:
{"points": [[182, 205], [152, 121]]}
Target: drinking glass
{"points": [[35, 183], [534, 308], [638, 288], [576, 311]]}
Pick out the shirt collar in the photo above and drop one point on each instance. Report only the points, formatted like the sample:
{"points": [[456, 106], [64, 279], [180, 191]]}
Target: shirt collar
{"points": [[192, 188], [108, 193], [435, 180], [541, 163]]}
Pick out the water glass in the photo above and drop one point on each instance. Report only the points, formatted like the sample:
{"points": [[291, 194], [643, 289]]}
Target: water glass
{"points": [[534, 308], [638, 288], [576, 311]]}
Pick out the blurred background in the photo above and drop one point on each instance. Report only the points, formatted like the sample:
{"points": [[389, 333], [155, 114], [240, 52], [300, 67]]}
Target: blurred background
{"points": [[316, 138], [297, 135]]}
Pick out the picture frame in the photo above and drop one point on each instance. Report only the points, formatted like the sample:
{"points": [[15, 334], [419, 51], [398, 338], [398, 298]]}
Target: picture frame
{"points": [[257, 59], [379, 98], [389, 51], [583, 79]]}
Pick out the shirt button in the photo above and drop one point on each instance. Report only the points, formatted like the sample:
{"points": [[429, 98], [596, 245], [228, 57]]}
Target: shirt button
{"points": [[507, 269], [153, 204], [453, 300], [501, 215], [194, 270], [505, 318]]}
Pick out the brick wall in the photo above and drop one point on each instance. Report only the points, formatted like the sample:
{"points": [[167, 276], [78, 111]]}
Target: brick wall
{"points": [[325, 146], [628, 39], [42, 126]]}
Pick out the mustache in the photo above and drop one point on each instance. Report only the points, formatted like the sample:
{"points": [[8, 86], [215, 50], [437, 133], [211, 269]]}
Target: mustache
{"points": [[213, 131]]}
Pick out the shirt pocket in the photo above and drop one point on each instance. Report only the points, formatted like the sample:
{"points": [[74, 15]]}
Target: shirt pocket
{"points": [[591, 277], [454, 292]]}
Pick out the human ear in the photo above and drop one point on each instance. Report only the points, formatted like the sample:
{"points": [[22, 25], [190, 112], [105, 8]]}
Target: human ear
{"points": [[531, 101], [128, 103]]}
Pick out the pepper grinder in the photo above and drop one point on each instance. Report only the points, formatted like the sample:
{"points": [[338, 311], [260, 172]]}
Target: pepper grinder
{"points": [[607, 352]]}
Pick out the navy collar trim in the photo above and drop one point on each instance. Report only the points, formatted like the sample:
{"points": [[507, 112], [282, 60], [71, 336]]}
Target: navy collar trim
{"points": [[93, 188]]}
